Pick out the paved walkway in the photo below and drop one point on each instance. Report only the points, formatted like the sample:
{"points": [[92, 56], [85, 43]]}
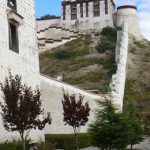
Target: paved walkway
{"points": [[89, 148]]}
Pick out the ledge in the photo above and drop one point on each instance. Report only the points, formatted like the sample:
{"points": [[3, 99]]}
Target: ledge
{"points": [[126, 7], [14, 17]]}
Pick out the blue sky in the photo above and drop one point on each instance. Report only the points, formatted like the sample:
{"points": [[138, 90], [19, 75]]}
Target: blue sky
{"points": [[53, 7]]}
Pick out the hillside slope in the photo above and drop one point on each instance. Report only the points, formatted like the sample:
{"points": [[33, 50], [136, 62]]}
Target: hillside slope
{"points": [[138, 75], [87, 62]]}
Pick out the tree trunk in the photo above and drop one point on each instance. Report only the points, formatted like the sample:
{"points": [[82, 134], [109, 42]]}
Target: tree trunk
{"points": [[109, 148], [23, 140], [131, 146], [76, 139]]}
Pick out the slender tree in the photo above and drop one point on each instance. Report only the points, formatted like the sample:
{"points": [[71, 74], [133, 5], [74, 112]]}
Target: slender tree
{"points": [[104, 128], [21, 107], [112, 129], [75, 113], [135, 126]]}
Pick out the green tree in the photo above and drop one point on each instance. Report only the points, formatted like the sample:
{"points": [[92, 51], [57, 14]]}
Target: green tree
{"points": [[105, 128], [112, 129], [135, 128], [48, 16]]}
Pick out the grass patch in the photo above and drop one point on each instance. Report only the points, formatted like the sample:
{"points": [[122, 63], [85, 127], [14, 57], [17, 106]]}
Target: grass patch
{"points": [[146, 57], [90, 77], [141, 98], [67, 141], [105, 45], [139, 44], [110, 65], [84, 62], [16, 145], [70, 50]]}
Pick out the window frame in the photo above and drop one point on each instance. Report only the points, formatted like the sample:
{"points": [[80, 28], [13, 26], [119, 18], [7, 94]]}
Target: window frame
{"points": [[13, 39], [96, 8], [12, 7]]}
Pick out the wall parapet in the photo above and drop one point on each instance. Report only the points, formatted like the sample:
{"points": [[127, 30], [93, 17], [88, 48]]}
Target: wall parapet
{"points": [[117, 84]]}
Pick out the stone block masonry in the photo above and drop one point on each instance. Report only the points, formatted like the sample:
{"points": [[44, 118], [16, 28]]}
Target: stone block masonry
{"points": [[25, 62]]}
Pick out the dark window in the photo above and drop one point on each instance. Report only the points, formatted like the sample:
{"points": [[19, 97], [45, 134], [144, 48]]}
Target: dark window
{"points": [[64, 12], [12, 4], [81, 10], [96, 8], [87, 9], [106, 6], [73, 11], [13, 38]]}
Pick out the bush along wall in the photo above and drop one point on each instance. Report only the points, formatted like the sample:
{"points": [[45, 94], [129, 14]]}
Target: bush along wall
{"points": [[67, 141]]}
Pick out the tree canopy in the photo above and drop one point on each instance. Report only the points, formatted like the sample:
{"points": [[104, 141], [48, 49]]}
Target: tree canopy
{"points": [[21, 107], [112, 129]]}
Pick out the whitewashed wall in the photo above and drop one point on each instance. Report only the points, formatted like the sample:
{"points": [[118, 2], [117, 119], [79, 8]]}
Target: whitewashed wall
{"points": [[130, 15], [118, 80], [90, 23], [43, 24], [52, 95], [24, 63]]}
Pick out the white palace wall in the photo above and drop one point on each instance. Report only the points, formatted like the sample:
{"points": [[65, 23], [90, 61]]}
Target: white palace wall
{"points": [[52, 95], [24, 63], [90, 23], [117, 84]]}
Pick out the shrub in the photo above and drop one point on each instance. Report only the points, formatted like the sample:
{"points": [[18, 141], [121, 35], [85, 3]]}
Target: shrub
{"points": [[63, 54], [67, 142], [97, 34], [110, 33], [104, 45], [16, 145], [139, 44]]}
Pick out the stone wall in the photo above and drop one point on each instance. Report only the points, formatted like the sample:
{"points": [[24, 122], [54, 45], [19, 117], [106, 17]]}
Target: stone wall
{"points": [[118, 80], [52, 95], [24, 63]]}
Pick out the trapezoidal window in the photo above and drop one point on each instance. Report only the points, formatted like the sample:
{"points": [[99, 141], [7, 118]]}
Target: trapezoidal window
{"points": [[96, 5], [81, 10], [13, 38], [73, 11], [106, 6], [12, 4], [64, 12], [87, 9]]}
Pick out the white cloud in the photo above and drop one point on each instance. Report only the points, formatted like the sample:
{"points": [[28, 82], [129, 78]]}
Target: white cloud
{"points": [[143, 13]]}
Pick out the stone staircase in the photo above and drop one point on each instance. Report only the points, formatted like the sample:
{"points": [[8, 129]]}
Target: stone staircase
{"points": [[54, 36]]}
